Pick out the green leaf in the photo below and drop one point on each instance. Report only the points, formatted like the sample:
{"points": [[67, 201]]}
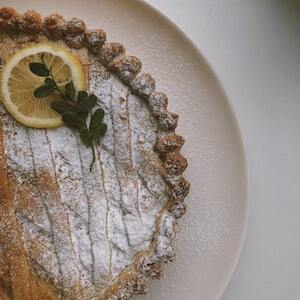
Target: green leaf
{"points": [[73, 120], [99, 132], [83, 115], [39, 69], [62, 106], [49, 81], [81, 96], [70, 91], [86, 137], [44, 91], [97, 119], [87, 103]]}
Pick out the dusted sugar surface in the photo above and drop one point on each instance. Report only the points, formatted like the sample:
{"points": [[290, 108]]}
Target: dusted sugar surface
{"points": [[81, 229]]}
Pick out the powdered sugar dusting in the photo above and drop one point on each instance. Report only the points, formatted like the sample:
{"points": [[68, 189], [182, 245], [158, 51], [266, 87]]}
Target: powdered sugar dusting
{"points": [[89, 225]]}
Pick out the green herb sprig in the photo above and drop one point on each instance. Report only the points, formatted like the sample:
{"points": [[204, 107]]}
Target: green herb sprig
{"points": [[76, 108]]}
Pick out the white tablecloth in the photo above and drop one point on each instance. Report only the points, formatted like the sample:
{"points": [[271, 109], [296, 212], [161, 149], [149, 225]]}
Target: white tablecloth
{"points": [[254, 48]]}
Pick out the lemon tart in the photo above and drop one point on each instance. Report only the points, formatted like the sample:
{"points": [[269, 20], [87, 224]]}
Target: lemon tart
{"points": [[67, 232]]}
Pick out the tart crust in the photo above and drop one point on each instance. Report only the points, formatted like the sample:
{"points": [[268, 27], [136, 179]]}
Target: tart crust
{"points": [[128, 68]]}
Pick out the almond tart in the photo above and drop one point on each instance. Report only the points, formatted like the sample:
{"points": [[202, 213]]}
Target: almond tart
{"points": [[66, 232]]}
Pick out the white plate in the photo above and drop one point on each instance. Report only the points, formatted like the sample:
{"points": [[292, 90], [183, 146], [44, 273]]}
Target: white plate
{"points": [[211, 234]]}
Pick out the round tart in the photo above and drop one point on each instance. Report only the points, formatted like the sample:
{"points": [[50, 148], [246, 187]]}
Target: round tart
{"points": [[70, 233]]}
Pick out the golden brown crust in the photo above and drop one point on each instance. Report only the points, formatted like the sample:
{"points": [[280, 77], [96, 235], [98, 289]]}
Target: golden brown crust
{"points": [[30, 22], [143, 85], [168, 121], [95, 39], [158, 103], [110, 52], [75, 36], [54, 27], [150, 268], [75, 41], [177, 209], [169, 143], [75, 26], [8, 20], [127, 68], [180, 187], [8, 13], [135, 284], [175, 164]]}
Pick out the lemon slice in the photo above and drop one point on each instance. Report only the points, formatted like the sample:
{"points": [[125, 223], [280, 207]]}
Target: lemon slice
{"points": [[18, 83]]}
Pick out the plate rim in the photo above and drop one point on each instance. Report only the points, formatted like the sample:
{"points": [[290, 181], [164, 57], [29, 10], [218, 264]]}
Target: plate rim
{"points": [[231, 110]]}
